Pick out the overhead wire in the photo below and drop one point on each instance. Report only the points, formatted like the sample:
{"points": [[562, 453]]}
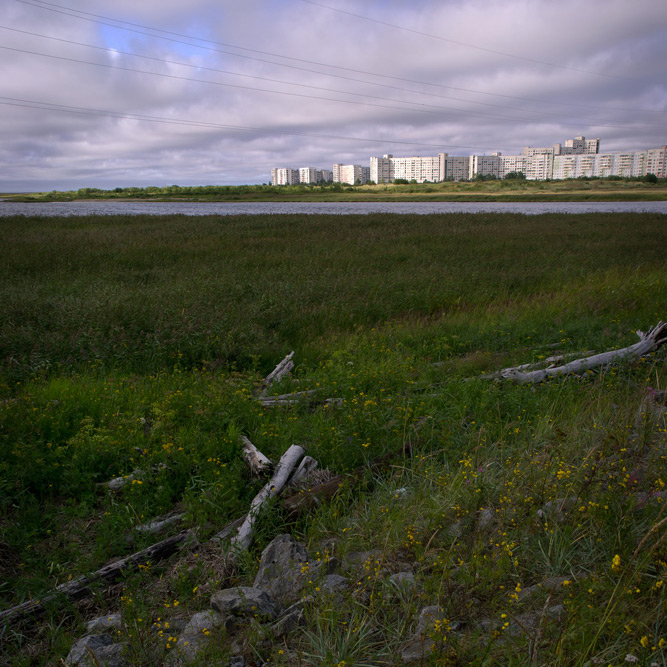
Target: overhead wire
{"points": [[425, 108], [466, 44], [120, 24], [50, 106]]}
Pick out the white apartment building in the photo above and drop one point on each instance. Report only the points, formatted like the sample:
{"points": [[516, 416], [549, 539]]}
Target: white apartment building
{"points": [[350, 174], [576, 157], [626, 164], [308, 175], [486, 165], [284, 176]]}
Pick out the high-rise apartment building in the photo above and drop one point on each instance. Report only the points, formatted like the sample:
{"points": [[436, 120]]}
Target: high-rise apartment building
{"points": [[284, 176], [351, 174]]}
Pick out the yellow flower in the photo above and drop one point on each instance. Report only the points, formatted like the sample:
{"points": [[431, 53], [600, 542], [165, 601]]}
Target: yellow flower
{"points": [[616, 563], [644, 641]]}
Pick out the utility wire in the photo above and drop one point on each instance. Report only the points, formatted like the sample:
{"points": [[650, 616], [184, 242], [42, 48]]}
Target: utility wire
{"points": [[51, 106], [470, 46], [289, 83], [288, 93], [308, 86], [52, 7]]}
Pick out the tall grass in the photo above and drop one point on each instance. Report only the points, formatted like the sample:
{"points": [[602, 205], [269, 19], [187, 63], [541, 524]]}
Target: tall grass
{"points": [[134, 344]]}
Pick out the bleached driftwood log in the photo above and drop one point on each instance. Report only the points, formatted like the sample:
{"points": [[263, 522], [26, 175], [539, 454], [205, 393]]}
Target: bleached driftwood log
{"points": [[80, 588], [288, 461], [648, 342], [156, 525], [278, 373], [307, 465], [286, 399], [257, 462]]}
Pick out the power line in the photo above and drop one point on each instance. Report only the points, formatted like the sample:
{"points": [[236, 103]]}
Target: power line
{"points": [[470, 46], [272, 80], [52, 7], [431, 111], [52, 106]]}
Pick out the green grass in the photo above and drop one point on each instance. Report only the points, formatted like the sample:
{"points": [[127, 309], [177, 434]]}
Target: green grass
{"points": [[580, 189], [136, 343]]}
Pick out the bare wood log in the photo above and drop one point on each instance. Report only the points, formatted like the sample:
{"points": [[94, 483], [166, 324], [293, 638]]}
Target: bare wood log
{"points": [[648, 342], [307, 465], [257, 462], [286, 399], [288, 461], [80, 588], [159, 524], [277, 374]]}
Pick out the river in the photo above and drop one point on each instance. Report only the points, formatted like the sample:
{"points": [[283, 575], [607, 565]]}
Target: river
{"points": [[106, 207]]}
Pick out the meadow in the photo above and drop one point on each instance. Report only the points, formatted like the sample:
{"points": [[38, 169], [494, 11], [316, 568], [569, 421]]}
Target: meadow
{"points": [[481, 189], [137, 343]]}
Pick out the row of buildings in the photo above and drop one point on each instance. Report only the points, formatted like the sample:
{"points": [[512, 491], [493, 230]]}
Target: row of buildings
{"points": [[575, 158]]}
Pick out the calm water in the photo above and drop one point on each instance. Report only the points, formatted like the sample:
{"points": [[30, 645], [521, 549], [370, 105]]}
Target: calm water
{"points": [[338, 208]]}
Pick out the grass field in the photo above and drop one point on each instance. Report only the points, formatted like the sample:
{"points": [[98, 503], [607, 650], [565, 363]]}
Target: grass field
{"points": [[595, 189], [135, 343]]}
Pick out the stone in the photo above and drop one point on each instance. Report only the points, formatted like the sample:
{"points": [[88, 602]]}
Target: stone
{"points": [[485, 519], [421, 646], [237, 661], [202, 622], [290, 619], [102, 623], [285, 569], [333, 583], [244, 601], [557, 510], [102, 647], [403, 581]]}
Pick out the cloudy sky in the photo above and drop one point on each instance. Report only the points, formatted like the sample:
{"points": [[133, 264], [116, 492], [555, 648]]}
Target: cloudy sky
{"points": [[158, 92]]}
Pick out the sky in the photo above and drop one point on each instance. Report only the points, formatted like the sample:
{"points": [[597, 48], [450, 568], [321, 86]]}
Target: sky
{"points": [[161, 92]]}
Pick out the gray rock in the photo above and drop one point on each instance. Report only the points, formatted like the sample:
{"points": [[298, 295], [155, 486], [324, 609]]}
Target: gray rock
{"points": [[237, 661], [284, 569], [244, 601], [403, 581], [105, 652], [429, 617], [486, 519], [417, 650], [290, 619], [359, 558], [333, 583], [557, 510], [109, 622], [189, 648], [202, 622], [425, 640]]}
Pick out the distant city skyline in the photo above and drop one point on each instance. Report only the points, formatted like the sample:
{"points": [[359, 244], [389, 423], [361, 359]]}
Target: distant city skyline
{"points": [[573, 158], [219, 92]]}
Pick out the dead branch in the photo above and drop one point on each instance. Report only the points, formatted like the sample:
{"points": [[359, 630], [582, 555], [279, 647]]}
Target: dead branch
{"points": [[80, 588], [288, 461], [648, 342], [277, 374], [257, 462]]}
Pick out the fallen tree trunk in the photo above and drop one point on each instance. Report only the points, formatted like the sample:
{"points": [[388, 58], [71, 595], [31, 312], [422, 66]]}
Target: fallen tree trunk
{"points": [[79, 588], [288, 461], [648, 342], [277, 374], [257, 462]]}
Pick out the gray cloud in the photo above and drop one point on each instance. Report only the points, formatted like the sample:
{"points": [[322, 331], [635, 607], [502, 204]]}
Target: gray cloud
{"points": [[601, 73]]}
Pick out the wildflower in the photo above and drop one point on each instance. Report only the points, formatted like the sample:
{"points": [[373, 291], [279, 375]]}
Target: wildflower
{"points": [[644, 641], [616, 563]]}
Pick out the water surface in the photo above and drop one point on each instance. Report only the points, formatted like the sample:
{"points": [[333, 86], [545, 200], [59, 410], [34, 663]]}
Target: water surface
{"points": [[105, 207]]}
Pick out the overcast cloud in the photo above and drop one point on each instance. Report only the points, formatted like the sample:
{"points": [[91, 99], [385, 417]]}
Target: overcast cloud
{"points": [[300, 83]]}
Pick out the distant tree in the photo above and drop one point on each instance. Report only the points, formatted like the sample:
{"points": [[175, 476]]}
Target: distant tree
{"points": [[516, 175], [650, 178], [401, 181]]}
